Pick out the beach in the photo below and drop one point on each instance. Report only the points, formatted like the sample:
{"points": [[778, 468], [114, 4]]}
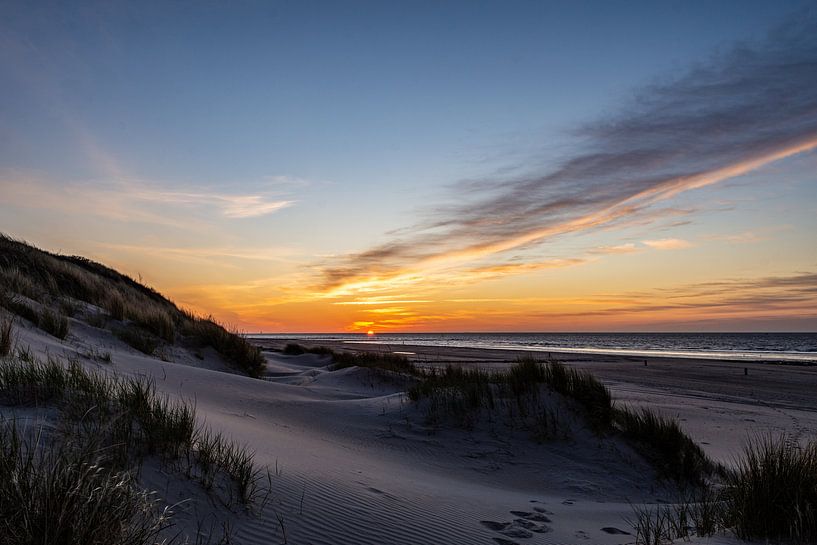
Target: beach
{"points": [[721, 402], [353, 460]]}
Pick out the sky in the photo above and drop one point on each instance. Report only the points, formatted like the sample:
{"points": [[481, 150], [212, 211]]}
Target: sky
{"points": [[425, 166]]}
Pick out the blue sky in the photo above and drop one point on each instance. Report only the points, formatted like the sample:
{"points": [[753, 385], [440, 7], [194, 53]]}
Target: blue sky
{"points": [[313, 130]]}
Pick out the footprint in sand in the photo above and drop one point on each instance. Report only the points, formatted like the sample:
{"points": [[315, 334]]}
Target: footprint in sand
{"points": [[539, 516], [615, 531], [517, 532], [522, 527], [528, 525], [542, 510]]}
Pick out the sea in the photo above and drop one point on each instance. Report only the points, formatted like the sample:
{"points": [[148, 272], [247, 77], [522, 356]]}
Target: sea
{"points": [[781, 347]]}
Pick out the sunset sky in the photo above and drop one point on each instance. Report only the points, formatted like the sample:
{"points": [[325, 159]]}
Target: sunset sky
{"points": [[425, 166]]}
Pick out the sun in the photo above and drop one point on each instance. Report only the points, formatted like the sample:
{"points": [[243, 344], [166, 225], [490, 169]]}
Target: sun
{"points": [[370, 333]]}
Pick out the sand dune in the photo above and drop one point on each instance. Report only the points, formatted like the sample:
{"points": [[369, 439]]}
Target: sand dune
{"points": [[357, 465]]}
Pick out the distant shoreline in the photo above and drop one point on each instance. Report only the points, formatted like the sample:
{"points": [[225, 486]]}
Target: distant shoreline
{"points": [[737, 356]]}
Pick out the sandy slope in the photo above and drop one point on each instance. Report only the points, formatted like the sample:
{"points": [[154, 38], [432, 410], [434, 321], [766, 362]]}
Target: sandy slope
{"points": [[357, 465]]}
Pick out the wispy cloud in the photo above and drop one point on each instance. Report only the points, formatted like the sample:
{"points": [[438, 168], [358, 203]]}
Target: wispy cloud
{"points": [[667, 244], [739, 238], [210, 254], [777, 298], [724, 118], [629, 248], [492, 271], [230, 206], [133, 201]]}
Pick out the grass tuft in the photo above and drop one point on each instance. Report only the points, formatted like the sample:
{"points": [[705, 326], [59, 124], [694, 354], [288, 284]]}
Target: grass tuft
{"points": [[121, 421], [373, 360], [460, 391], [137, 338], [663, 443], [6, 337], [232, 346], [587, 390], [20, 308], [54, 323], [50, 493], [294, 349], [772, 493]]}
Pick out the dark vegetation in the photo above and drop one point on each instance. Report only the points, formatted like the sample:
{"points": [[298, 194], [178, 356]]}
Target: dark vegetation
{"points": [[770, 496], [229, 343], [375, 360], [76, 484], [385, 361], [523, 393], [772, 493], [138, 338], [58, 494], [63, 286], [6, 336], [54, 323], [459, 391], [662, 441]]}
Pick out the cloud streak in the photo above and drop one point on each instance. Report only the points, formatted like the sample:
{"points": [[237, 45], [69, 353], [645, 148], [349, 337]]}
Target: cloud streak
{"points": [[790, 295], [230, 206], [724, 118], [667, 244], [628, 248], [132, 201]]}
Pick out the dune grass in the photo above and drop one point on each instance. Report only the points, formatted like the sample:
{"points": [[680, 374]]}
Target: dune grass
{"points": [[54, 323], [235, 349], [375, 360], [772, 492], [464, 393], [769, 495], [137, 314], [123, 420], [295, 349], [341, 359], [19, 307], [698, 513], [6, 336], [137, 338], [590, 393], [457, 390], [53, 493], [662, 441]]}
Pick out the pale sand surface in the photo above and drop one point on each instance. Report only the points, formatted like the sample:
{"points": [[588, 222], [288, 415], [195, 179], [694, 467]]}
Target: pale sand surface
{"points": [[357, 465]]}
